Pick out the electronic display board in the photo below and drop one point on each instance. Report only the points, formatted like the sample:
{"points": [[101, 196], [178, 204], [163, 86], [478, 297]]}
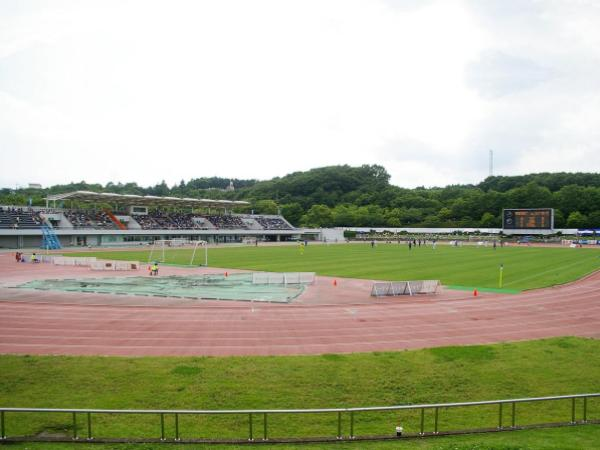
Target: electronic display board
{"points": [[528, 219]]}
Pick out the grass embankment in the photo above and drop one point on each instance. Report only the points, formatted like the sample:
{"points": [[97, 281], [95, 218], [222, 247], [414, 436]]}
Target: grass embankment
{"points": [[468, 266], [525, 369]]}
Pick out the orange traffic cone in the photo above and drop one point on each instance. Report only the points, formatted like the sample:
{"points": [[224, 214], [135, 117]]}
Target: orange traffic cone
{"points": [[475, 293], [335, 282]]}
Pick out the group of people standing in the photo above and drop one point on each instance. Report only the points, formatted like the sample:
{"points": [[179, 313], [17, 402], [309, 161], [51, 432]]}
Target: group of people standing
{"points": [[412, 243], [20, 257]]}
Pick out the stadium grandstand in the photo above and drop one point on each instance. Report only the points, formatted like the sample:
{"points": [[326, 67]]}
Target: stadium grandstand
{"points": [[83, 218]]}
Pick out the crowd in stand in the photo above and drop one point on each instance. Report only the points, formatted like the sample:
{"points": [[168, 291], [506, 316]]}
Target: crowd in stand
{"points": [[155, 220], [89, 219], [225, 221], [273, 223], [180, 221], [19, 218]]}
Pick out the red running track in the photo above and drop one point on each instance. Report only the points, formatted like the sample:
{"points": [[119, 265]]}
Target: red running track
{"points": [[325, 319]]}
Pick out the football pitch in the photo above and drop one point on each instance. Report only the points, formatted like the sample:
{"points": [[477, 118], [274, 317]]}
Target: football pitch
{"points": [[466, 266]]}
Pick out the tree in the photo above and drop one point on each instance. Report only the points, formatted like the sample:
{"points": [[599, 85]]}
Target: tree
{"points": [[488, 220], [265, 207], [559, 219], [318, 216], [570, 198], [344, 215], [530, 196], [594, 219], [576, 220], [432, 220], [292, 212]]}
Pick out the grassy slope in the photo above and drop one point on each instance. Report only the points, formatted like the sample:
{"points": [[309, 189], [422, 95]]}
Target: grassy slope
{"points": [[547, 367], [524, 268]]}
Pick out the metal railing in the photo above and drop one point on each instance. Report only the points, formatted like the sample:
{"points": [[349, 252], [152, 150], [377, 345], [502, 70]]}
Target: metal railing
{"points": [[340, 412]]}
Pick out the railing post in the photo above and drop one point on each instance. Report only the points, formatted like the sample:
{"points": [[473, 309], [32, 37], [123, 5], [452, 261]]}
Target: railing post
{"points": [[436, 421], [422, 421], [351, 424], [2, 429], [500, 416], [75, 426], [250, 438], [514, 412], [573, 410], [265, 438], [89, 426], [584, 409], [176, 426], [339, 433], [162, 426]]}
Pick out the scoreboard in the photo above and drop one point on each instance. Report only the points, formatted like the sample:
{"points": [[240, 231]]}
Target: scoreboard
{"points": [[528, 219]]}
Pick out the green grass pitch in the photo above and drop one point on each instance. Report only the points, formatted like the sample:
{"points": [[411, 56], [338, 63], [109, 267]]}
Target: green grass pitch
{"points": [[469, 266]]}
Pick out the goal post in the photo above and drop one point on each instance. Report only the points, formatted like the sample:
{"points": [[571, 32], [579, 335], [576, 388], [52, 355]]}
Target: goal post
{"points": [[169, 251], [196, 245]]}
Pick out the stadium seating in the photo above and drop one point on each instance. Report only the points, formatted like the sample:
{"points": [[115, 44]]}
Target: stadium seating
{"points": [[227, 222], [19, 218], [157, 220], [90, 219], [273, 223], [154, 220]]}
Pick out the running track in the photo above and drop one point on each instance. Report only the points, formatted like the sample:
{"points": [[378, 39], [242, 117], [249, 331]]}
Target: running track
{"points": [[326, 319]]}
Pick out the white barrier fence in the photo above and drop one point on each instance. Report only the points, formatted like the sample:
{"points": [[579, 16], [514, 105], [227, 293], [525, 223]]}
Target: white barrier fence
{"points": [[75, 261], [115, 265], [91, 262], [283, 278], [395, 288]]}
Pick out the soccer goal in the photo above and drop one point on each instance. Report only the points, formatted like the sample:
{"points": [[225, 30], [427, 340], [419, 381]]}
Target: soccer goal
{"points": [[176, 251]]}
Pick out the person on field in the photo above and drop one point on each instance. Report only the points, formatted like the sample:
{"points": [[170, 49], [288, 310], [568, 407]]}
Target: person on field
{"points": [[373, 243], [34, 258], [409, 245], [18, 256]]}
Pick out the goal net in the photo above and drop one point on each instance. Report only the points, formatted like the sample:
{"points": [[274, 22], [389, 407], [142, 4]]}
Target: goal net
{"points": [[179, 252]]}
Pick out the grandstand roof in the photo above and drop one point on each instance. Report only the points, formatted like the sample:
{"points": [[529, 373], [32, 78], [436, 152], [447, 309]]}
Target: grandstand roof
{"points": [[143, 200]]}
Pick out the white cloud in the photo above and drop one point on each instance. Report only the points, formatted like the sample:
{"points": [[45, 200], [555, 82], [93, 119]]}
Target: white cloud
{"points": [[139, 90]]}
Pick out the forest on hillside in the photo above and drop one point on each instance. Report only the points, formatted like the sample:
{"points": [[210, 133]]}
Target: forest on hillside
{"points": [[363, 196]]}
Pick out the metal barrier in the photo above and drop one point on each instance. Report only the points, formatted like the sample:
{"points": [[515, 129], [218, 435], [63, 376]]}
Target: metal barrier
{"points": [[397, 288], [283, 277], [353, 414]]}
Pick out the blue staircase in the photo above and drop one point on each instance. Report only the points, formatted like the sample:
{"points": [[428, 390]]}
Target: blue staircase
{"points": [[50, 239]]}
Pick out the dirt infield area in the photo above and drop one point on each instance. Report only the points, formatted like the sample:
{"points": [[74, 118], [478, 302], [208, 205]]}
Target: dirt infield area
{"points": [[327, 318]]}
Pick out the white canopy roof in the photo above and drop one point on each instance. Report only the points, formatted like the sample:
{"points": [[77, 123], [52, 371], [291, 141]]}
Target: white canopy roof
{"points": [[143, 200]]}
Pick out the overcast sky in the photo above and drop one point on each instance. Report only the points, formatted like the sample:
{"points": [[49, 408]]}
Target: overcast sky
{"points": [[150, 90]]}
